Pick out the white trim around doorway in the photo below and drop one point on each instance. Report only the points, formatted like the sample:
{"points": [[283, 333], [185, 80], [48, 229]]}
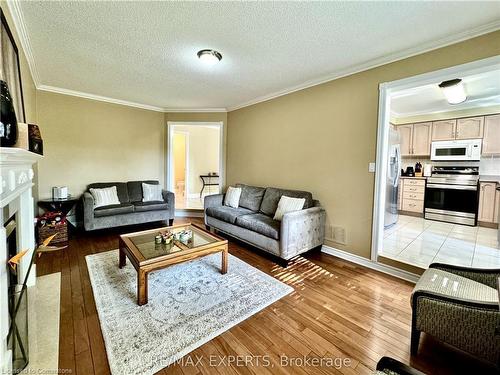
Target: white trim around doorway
{"points": [[385, 90], [170, 168]]}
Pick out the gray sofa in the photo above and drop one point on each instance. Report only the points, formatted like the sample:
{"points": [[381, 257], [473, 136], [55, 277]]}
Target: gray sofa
{"points": [[252, 222], [131, 209]]}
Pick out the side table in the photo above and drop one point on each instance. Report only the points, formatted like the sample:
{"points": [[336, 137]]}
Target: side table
{"points": [[62, 205]]}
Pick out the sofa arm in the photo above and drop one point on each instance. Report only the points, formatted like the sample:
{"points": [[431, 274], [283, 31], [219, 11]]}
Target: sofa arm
{"points": [[88, 209], [215, 200], [487, 276], [169, 198], [302, 231]]}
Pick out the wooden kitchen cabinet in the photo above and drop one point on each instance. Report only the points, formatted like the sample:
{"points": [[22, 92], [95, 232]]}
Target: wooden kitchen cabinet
{"points": [[491, 136], [444, 130], [470, 127], [421, 138], [405, 134], [413, 194], [487, 200], [415, 139]]}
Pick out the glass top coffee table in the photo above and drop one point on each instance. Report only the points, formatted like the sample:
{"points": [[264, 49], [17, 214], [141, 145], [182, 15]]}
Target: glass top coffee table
{"points": [[146, 255]]}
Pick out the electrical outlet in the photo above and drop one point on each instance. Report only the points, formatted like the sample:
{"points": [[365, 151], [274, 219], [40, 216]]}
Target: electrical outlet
{"points": [[371, 167], [339, 235]]}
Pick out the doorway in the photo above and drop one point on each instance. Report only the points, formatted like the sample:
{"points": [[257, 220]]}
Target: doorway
{"points": [[403, 234], [195, 162]]}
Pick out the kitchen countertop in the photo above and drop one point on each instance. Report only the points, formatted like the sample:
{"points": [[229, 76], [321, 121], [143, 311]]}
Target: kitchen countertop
{"points": [[489, 178], [414, 178]]}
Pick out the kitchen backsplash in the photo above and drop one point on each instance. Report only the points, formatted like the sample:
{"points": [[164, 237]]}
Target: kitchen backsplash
{"points": [[489, 165]]}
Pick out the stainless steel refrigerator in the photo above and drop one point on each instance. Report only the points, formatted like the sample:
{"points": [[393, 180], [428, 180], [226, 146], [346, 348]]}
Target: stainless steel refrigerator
{"points": [[392, 179]]}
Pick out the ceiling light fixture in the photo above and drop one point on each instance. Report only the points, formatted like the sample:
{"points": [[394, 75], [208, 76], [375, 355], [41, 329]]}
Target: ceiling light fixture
{"points": [[209, 56], [454, 91]]}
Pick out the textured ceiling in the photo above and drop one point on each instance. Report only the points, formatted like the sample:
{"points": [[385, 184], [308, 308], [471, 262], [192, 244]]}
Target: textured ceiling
{"points": [[145, 52], [483, 90]]}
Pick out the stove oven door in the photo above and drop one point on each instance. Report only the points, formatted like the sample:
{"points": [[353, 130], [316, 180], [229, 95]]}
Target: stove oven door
{"points": [[452, 203]]}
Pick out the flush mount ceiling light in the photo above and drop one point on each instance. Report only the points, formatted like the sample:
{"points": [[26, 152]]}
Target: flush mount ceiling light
{"points": [[454, 91], [209, 56]]}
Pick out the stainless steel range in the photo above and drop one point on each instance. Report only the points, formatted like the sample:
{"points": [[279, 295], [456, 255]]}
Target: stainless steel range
{"points": [[452, 194]]}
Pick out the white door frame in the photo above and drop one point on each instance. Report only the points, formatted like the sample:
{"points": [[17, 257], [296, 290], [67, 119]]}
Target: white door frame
{"points": [[170, 167], [386, 89]]}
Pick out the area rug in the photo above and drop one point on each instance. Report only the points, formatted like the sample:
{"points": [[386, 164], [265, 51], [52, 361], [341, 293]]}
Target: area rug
{"points": [[189, 304]]}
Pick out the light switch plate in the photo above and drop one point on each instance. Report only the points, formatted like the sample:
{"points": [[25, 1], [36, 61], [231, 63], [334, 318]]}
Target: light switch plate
{"points": [[371, 167]]}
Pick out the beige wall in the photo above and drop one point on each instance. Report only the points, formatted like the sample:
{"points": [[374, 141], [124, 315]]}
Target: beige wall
{"points": [[88, 141], [322, 138]]}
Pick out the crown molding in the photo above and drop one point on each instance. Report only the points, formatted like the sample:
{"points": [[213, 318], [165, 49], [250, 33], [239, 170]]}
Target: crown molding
{"points": [[374, 63], [195, 110], [100, 98], [106, 99], [22, 33]]}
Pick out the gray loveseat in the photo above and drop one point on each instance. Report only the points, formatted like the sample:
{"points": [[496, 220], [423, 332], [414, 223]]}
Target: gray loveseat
{"points": [[131, 210], [252, 222]]}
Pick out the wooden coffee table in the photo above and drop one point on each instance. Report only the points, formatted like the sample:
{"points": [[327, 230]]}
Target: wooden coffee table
{"points": [[147, 256]]}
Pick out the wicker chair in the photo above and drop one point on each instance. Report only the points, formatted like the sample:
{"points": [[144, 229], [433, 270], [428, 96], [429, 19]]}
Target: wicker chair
{"points": [[391, 366], [459, 306]]}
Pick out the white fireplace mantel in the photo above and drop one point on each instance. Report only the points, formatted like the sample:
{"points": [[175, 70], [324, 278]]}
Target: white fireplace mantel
{"points": [[16, 183]]}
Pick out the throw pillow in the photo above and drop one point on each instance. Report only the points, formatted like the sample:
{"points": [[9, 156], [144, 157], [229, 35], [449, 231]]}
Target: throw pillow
{"points": [[287, 204], [151, 193], [232, 198], [105, 196]]}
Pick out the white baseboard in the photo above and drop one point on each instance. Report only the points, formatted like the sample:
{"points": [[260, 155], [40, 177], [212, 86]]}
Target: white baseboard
{"points": [[393, 271]]}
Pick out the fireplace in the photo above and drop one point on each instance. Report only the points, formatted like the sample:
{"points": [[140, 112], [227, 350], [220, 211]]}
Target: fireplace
{"points": [[17, 338], [16, 234]]}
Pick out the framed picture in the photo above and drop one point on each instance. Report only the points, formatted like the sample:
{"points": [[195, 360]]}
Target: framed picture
{"points": [[10, 69]]}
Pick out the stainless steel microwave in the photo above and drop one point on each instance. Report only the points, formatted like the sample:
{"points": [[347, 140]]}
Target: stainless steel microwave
{"points": [[463, 150]]}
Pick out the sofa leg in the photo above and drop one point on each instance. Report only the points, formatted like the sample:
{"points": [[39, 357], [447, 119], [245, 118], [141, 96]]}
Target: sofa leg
{"points": [[207, 227], [283, 262], [415, 339], [170, 222]]}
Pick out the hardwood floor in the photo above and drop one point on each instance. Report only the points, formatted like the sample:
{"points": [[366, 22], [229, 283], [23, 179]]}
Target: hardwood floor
{"points": [[338, 310]]}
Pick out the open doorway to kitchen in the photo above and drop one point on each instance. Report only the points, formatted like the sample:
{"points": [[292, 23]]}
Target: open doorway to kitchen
{"points": [[437, 193], [195, 166]]}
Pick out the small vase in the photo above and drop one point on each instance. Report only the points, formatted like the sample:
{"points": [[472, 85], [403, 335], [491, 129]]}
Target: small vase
{"points": [[8, 121]]}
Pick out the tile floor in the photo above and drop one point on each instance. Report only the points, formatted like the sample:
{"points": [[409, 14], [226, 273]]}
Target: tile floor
{"points": [[420, 242]]}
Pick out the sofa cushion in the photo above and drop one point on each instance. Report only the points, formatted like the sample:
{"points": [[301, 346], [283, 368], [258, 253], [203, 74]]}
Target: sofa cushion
{"points": [[227, 214], [150, 206], [114, 209], [251, 196], [260, 223], [121, 189], [135, 189], [272, 197]]}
